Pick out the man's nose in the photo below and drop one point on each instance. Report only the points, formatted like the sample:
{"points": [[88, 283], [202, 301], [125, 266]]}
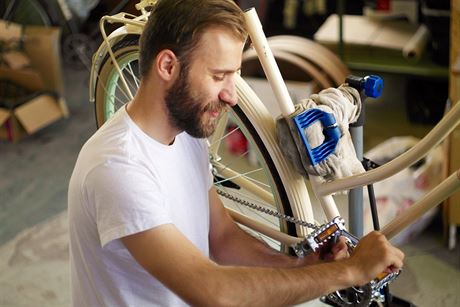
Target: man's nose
{"points": [[228, 94]]}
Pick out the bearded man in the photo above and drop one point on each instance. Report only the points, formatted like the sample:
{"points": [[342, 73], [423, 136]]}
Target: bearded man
{"points": [[146, 225]]}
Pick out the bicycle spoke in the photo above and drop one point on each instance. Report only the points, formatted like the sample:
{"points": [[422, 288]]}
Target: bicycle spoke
{"points": [[224, 136], [130, 79], [136, 80], [240, 175], [123, 91], [262, 193], [257, 181], [112, 96], [247, 177], [214, 145], [115, 97], [120, 102], [241, 155], [244, 175]]}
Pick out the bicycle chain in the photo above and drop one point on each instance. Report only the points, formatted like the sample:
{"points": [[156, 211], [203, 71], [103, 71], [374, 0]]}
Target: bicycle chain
{"points": [[266, 210], [356, 297]]}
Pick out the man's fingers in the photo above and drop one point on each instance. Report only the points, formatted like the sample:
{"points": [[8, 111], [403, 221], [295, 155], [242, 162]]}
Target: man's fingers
{"points": [[342, 254], [400, 254], [398, 263], [396, 258], [339, 250]]}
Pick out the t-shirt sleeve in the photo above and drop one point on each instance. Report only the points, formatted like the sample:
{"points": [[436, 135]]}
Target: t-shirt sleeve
{"points": [[127, 199]]}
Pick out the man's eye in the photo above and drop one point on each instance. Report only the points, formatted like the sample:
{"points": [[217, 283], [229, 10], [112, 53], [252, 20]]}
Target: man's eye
{"points": [[219, 77]]}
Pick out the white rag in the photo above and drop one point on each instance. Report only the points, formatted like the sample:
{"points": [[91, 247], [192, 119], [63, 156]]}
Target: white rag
{"points": [[345, 104]]}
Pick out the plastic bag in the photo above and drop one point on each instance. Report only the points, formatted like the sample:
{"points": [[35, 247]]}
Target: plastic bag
{"points": [[397, 193]]}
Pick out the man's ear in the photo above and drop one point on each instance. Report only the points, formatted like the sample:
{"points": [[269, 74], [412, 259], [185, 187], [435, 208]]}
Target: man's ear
{"points": [[167, 64]]}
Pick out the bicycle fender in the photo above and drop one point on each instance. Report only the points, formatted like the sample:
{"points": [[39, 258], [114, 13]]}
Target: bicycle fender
{"points": [[102, 51]]}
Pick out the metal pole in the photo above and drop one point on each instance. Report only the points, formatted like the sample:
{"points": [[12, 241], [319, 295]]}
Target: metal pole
{"points": [[340, 12], [355, 196]]}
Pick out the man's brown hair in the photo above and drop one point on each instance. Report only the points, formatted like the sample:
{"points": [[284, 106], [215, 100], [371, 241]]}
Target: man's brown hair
{"points": [[178, 25]]}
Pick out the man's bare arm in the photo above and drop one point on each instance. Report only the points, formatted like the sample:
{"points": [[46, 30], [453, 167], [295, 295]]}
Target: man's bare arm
{"points": [[230, 245], [166, 254]]}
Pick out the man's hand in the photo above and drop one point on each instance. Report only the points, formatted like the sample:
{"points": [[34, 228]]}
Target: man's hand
{"points": [[373, 255], [336, 251], [330, 252]]}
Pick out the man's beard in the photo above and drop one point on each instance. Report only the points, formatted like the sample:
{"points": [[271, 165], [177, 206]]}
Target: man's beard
{"points": [[186, 112]]}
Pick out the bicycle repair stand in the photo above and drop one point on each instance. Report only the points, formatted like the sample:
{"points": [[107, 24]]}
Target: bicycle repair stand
{"points": [[369, 86]]}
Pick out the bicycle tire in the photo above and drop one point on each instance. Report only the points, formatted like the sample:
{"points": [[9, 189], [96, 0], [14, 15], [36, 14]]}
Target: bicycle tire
{"points": [[30, 12], [126, 52]]}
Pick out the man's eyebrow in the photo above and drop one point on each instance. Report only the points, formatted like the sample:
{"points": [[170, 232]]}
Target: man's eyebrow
{"points": [[224, 71]]}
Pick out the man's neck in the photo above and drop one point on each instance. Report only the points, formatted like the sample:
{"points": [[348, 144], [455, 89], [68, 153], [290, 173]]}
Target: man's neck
{"points": [[149, 113]]}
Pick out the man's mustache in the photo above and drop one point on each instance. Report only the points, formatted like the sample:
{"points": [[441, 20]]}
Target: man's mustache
{"points": [[215, 106]]}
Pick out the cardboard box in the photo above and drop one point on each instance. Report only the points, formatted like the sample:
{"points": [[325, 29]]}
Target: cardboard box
{"points": [[29, 117], [41, 45]]}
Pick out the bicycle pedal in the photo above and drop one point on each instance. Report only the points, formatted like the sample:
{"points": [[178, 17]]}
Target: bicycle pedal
{"points": [[319, 237], [352, 241], [383, 279]]}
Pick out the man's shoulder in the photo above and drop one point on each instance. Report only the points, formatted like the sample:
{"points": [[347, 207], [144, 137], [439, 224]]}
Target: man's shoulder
{"points": [[193, 141], [111, 138]]}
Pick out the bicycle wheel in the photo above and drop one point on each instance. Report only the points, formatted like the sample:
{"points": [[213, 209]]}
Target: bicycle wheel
{"points": [[246, 175], [26, 12], [110, 93]]}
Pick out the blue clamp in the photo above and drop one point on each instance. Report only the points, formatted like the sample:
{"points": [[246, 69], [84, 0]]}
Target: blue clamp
{"points": [[331, 133], [371, 85]]}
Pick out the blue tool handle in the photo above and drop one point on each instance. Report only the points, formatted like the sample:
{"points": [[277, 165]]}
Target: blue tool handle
{"points": [[331, 133]]}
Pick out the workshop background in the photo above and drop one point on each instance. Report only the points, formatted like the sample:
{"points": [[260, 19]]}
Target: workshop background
{"points": [[46, 116]]}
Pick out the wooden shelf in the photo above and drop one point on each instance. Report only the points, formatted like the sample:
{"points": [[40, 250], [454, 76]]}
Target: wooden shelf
{"points": [[381, 63]]}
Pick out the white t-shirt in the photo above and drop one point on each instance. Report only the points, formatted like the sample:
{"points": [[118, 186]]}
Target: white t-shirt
{"points": [[125, 182]]}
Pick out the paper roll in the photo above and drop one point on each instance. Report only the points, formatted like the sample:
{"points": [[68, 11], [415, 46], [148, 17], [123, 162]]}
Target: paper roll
{"points": [[416, 45]]}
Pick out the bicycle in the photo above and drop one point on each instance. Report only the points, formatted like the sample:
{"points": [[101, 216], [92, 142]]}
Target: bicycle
{"points": [[33, 12], [270, 198], [77, 46]]}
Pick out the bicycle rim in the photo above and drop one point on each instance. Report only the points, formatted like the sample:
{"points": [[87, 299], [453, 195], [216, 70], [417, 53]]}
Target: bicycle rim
{"points": [[111, 94], [240, 153]]}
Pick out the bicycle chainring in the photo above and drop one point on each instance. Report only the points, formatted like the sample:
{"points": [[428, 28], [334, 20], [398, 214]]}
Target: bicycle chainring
{"points": [[350, 297]]}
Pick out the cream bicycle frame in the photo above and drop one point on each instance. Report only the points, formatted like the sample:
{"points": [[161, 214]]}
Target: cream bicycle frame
{"points": [[324, 191], [299, 201]]}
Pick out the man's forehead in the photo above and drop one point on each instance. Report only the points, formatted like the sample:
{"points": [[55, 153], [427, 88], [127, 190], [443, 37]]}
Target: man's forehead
{"points": [[219, 44]]}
